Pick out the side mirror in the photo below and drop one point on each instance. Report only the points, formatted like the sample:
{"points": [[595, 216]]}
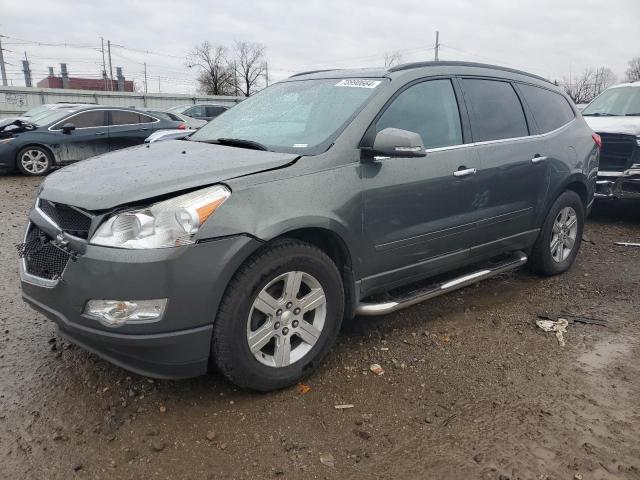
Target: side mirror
{"points": [[395, 142], [68, 128]]}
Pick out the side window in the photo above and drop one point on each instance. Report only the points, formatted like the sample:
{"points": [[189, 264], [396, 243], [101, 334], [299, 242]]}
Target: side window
{"points": [[496, 110], [215, 111], [196, 112], [146, 119], [94, 118], [550, 110], [121, 117], [428, 108]]}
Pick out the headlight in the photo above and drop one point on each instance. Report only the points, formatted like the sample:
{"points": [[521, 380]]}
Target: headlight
{"points": [[169, 223]]}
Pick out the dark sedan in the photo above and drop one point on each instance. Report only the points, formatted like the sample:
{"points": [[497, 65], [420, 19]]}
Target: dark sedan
{"points": [[66, 136]]}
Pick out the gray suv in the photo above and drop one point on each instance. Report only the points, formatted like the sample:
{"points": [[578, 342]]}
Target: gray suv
{"points": [[328, 195]]}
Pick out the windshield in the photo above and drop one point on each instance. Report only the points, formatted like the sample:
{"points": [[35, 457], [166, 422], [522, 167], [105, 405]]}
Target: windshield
{"points": [[50, 116], [299, 116], [615, 101], [179, 108]]}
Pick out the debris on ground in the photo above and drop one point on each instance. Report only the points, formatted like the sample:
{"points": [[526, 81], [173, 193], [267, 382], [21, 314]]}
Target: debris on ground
{"points": [[327, 459], [628, 244], [571, 318], [163, 409], [302, 388], [559, 326], [377, 369], [343, 406]]}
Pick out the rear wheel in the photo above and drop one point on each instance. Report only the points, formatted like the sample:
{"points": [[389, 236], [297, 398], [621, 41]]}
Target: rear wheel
{"points": [[559, 241], [34, 161], [279, 317]]}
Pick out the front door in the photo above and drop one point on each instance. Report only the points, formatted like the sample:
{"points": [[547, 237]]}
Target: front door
{"points": [[419, 210], [87, 140]]}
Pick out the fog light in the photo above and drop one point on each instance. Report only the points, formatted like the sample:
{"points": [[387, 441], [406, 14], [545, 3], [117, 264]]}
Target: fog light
{"points": [[115, 313]]}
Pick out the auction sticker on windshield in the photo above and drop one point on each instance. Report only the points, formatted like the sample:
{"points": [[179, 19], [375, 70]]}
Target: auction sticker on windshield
{"points": [[358, 83]]}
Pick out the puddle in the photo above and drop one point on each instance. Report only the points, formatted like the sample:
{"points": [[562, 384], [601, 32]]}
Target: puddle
{"points": [[604, 354]]}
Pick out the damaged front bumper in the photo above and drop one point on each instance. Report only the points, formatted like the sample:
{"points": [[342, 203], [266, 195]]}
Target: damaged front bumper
{"points": [[623, 185]]}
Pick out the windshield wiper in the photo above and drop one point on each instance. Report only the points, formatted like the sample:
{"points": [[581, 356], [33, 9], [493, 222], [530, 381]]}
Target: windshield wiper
{"points": [[632, 114], [242, 143], [599, 115]]}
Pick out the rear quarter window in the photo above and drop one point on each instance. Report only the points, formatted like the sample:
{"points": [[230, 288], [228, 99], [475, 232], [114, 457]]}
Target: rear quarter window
{"points": [[496, 111], [550, 109]]}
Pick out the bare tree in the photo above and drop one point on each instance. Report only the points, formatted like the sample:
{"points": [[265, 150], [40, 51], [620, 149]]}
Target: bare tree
{"points": [[633, 72], [392, 58], [589, 84], [604, 78], [249, 65], [215, 77]]}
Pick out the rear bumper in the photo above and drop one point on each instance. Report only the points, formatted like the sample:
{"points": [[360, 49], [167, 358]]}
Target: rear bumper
{"points": [[623, 185]]}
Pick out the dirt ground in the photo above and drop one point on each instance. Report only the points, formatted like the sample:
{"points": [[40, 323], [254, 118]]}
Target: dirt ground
{"points": [[471, 389]]}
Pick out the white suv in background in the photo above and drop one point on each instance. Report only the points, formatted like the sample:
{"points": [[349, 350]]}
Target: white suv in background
{"points": [[615, 116]]}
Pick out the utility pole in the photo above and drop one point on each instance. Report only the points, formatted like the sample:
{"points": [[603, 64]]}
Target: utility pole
{"points": [[145, 78], [235, 79], [266, 73], [104, 66], [26, 70], [159, 90], [2, 69], [110, 66], [437, 47]]}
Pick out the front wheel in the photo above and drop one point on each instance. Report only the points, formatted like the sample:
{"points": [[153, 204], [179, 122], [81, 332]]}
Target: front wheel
{"points": [[559, 240], [34, 161], [279, 317]]}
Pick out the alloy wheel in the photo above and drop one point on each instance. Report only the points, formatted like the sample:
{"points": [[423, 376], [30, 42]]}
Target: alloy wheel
{"points": [[563, 238], [286, 319], [34, 161]]}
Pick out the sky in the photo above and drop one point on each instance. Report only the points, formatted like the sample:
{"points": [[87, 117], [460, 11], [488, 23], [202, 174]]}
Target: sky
{"points": [[552, 38]]}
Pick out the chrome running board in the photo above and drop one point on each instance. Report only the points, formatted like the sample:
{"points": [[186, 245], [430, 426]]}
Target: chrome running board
{"points": [[517, 259]]}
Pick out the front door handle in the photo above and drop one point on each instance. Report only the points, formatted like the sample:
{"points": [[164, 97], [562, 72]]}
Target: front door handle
{"points": [[464, 172], [538, 159], [99, 133]]}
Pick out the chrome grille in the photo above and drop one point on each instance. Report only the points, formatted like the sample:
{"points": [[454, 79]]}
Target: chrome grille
{"points": [[41, 257], [617, 152], [69, 219]]}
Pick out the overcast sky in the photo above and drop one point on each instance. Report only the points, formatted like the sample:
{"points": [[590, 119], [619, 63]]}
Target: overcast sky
{"points": [[553, 38]]}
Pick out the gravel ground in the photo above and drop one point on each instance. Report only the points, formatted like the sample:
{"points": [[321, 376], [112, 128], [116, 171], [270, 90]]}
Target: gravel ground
{"points": [[471, 388]]}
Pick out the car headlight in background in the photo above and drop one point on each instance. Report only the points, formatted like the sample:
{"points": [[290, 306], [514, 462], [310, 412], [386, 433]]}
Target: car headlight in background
{"points": [[169, 223]]}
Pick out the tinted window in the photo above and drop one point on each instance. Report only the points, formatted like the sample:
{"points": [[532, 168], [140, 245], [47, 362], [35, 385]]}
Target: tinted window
{"points": [[93, 118], [214, 111], [496, 111], [428, 108], [550, 110], [120, 117], [146, 119]]}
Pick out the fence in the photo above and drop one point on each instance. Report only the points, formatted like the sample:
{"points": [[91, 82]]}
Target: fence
{"points": [[17, 100]]}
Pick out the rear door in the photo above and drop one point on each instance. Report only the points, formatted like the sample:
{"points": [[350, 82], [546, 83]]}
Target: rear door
{"points": [[514, 175], [87, 140], [416, 211], [128, 128]]}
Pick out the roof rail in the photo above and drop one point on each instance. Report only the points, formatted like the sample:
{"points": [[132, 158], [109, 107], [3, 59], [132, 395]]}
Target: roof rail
{"points": [[314, 71], [409, 66]]}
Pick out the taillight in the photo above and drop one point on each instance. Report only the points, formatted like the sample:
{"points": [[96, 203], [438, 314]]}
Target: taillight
{"points": [[182, 126], [597, 140]]}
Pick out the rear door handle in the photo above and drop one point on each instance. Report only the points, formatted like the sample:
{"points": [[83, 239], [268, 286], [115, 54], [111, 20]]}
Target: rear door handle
{"points": [[538, 159], [465, 172], [99, 133]]}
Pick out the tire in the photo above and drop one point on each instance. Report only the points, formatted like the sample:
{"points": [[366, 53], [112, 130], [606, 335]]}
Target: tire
{"points": [[546, 260], [242, 319], [34, 161]]}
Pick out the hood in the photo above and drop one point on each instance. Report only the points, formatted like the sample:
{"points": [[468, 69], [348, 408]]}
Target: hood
{"points": [[621, 125], [151, 170]]}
